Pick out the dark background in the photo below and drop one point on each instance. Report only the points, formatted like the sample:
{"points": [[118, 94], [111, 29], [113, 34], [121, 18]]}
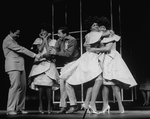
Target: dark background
{"points": [[132, 23]]}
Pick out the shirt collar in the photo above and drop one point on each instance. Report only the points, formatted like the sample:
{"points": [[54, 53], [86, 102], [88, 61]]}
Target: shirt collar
{"points": [[10, 36], [66, 38]]}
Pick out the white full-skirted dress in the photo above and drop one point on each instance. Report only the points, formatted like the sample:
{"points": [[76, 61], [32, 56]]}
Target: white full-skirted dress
{"points": [[86, 67], [114, 67], [44, 73]]}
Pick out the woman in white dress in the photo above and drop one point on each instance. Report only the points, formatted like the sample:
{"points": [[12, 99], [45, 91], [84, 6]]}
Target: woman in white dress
{"points": [[44, 75], [115, 70], [87, 67]]}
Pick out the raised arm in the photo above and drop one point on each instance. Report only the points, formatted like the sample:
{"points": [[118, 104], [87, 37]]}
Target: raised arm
{"points": [[106, 48], [107, 34]]}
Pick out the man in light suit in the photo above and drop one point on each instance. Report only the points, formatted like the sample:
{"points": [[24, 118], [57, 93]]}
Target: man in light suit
{"points": [[14, 67]]}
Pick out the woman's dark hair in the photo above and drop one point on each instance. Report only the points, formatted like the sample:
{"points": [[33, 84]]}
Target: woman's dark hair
{"points": [[14, 29], [90, 20], [45, 26], [104, 22], [64, 30]]}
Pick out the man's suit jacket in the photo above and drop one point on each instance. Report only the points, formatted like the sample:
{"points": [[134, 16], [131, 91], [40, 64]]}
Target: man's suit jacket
{"points": [[12, 52]]}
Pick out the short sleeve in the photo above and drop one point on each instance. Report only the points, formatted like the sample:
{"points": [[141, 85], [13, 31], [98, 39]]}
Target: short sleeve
{"points": [[93, 37], [37, 41], [110, 39]]}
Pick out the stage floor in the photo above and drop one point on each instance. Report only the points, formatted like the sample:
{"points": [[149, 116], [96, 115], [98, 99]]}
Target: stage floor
{"points": [[132, 111], [129, 114]]}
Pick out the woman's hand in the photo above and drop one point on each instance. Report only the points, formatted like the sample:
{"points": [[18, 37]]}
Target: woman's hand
{"points": [[112, 32], [53, 51], [50, 48], [88, 48], [38, 57]]}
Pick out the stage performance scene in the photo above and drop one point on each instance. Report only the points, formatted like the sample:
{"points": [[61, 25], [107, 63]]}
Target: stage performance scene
{"points": [[75, 59]]}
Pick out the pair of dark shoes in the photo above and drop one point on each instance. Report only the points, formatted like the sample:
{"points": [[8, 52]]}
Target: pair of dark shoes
{"points": [[22, 112], [71, 110], [62, 110]]}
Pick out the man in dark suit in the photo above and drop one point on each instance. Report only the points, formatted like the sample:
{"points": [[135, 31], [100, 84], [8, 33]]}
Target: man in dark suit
{"points": [[14, 67], [66, 51]]}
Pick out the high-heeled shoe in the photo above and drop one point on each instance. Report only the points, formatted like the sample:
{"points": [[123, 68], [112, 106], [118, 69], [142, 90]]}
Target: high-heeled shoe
{"points": [[41, 111], [92, 111], [146, 104], [84, 107], [121, 112], [105, 110], [49, 111], [121, 109]]}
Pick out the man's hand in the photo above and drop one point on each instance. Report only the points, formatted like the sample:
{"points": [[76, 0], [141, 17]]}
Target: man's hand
{"points": [[37, 56]]}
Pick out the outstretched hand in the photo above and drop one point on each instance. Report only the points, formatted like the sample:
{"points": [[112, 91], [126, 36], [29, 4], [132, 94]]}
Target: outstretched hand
{"points": [[38, 56]]}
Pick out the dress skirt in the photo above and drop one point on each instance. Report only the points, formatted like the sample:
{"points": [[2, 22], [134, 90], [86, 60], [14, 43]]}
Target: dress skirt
{"points": [[84, 69], [44, 74], [116, 70]]}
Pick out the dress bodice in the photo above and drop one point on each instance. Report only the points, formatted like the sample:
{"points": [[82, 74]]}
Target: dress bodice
{"points": [[114, 38]]}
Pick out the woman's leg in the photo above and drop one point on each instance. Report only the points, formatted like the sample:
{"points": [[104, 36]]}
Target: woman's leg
{"points": [[88, 97], [148, 97], [41, 90], [144, 96], [95, 91], [105, 92], [116, 91], [49, 99]]}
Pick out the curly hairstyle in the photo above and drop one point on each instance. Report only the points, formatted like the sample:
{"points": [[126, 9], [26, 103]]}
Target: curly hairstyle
{"points": [[90, 20], [104, 21], [45, 26]]}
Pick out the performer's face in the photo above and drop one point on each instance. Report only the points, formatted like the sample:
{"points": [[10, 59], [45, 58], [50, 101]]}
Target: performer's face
{"points": [[43, 33], [15, 34], [94, 27], [60, 34], [102, 28]]}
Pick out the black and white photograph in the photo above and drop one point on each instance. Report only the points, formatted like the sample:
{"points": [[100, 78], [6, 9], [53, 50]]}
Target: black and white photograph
{"points": [[75, 59]]}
